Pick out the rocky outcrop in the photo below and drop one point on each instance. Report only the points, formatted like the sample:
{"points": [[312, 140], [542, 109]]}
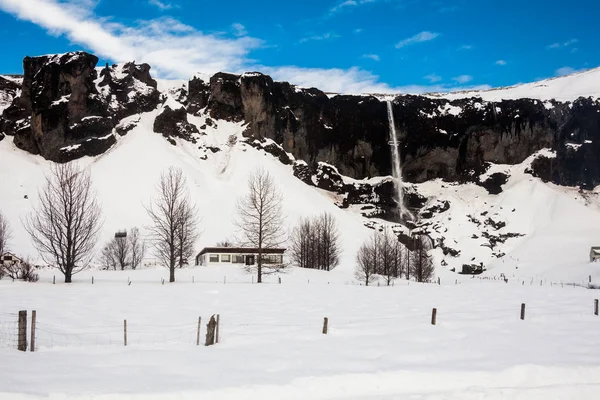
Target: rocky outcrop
{"points": [[131, 89], [62, 114], [174, 123], [451, 140]]}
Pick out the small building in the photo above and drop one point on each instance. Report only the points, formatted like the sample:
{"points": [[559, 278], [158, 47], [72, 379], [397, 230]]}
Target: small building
{"points": [[594, 253], [9, 259], [212, 256]]}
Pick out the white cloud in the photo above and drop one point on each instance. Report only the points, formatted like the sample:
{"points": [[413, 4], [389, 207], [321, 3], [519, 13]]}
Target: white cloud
{"points": [[325, 36], [424, 36], [562, 45], [239, 29], [373, 57], [170, 47], [176, 50], [358, 31], [465, 47], [353, 81], [163, 5], [501, 62], [433, 78], [347, 4], [462, 79]]}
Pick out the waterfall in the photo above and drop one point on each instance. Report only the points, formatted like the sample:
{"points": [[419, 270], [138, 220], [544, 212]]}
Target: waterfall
{"points": [[396, 165]]}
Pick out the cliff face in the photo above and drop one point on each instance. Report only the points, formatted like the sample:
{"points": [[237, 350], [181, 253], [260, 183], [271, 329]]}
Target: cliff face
{"points": [[64, 104], [62, 115]]}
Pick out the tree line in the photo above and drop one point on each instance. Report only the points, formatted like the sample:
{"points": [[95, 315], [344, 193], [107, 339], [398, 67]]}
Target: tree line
{"points": [[384, 256], [64, 227]]}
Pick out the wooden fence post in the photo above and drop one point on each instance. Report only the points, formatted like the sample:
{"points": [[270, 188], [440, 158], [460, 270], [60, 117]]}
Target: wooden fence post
{"points": [[433, 316], [33, 321], [198, 333], [596, 307], [125, 332], [210, 331], [325, 325], [22, 340], [217, 329], [523, 311], [54, 280], [92, 280], [280, 280]]}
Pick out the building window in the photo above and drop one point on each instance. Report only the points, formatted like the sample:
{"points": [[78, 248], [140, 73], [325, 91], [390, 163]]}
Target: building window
{"points": [[214, 258], [272, 258], [238, 259], [225, 257]]}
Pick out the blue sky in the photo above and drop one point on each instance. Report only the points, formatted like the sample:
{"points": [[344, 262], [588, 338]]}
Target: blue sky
{"points": [[336, 45]]}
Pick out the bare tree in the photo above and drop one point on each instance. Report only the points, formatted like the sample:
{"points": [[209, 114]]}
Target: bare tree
{"points": [[5, 234], [122, 251], [170, 231], [260, 218], [137, 246], [421, 264], [315, 243], [187, 232], [64, 226], [366, 261], [107, 257]]}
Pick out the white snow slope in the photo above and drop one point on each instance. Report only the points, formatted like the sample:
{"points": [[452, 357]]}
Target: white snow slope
{"points": [[564, 88]]}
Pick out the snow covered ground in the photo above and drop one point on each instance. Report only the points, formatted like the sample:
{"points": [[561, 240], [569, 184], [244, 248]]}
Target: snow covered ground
{"points": [[381, 344]]}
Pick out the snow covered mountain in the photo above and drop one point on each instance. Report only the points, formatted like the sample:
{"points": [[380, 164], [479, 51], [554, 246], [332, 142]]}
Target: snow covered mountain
{"points": [[493, 181]]}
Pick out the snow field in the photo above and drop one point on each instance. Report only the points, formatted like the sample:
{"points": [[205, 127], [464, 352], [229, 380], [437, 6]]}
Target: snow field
{"points": [[380, 343]]}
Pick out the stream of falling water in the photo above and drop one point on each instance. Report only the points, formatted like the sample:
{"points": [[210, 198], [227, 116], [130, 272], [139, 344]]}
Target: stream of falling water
{"points": [[396, 165]]}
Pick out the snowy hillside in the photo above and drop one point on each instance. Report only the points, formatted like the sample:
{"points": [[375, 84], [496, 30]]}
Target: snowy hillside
{"points": [[564, 88], [125, 179]]}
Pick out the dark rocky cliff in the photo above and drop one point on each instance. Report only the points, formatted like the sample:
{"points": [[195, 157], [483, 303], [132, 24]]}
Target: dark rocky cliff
{"points": [[62, 115], [65, 105], [451, 140]]}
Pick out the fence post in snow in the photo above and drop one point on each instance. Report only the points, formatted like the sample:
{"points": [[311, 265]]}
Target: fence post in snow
{"points": [[22, 331], [33, 322], [596, 307], [439, 281], [325, 325], [125, 332], [54, 280], [434, 316], [210, 331], [523, 311], [198, 333]]}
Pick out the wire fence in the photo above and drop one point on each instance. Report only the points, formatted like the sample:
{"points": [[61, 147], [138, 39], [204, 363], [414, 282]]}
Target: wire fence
{"points": [[9, 330], [44, 335]]}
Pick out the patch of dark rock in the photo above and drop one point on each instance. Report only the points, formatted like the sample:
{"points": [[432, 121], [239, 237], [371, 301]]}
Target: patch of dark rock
{"points": [[174, 123], [472, 269], [495, 224], [493, 184]]}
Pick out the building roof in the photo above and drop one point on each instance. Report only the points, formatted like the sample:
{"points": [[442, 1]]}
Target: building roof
{"points": [[240, 250]]}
